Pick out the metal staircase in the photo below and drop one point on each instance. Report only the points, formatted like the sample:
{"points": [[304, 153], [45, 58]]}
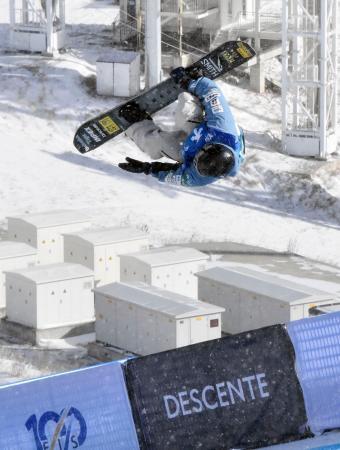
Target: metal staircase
{"points": [[227, 33], [129, 25]]}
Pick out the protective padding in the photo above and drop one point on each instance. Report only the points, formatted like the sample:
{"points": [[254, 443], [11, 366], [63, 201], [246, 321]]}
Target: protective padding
{"points": [[85, 409], [240, 391], [317, 347]]}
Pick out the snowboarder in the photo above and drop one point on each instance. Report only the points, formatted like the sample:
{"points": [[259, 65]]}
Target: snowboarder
{"points": [[212, 146]]}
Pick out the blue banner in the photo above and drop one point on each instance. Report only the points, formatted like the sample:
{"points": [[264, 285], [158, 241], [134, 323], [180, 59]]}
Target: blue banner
{"points": [[85, 409], [317, 347]]}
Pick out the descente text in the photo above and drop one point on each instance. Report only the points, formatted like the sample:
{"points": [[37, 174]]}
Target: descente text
{"points": [[220, 395]]}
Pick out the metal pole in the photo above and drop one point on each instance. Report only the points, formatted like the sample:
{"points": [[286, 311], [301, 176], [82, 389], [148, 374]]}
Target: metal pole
{"points": [[153, 52], [323, 78], [335, 56], [224, 14], [24, 11], [296, 48], [138, 23], [257, 25], [180, 29], [12, 12], [284, 89], [62, 15], [49, 27]]}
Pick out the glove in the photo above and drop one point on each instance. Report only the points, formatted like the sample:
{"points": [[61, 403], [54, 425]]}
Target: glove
{"points": [[157, 167], [182, 76], [135, 166], [133, 113]]}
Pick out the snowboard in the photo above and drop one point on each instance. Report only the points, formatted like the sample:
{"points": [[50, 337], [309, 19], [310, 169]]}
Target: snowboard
{"points": [[110, 124]]}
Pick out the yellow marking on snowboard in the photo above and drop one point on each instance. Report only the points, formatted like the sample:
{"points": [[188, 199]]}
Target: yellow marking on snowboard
{"points": [[109, 125], [243, 51]]}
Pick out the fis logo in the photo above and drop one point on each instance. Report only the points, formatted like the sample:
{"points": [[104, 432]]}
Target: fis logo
{"points": [[53, 431]]}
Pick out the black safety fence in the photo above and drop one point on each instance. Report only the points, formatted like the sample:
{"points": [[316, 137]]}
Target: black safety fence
{"points": [[237, 392]]}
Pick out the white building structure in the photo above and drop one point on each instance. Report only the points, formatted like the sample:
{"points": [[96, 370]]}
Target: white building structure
{"points": [[309, 77], [37, 25], [145, 319], [170, 268], [100, 250], [118, 74], [56, 300], [254, 299], [44, 231], [13, 255]]}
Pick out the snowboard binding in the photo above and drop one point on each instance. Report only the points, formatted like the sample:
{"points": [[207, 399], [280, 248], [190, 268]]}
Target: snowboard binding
{"points": [[133, 113], [182, 76]]}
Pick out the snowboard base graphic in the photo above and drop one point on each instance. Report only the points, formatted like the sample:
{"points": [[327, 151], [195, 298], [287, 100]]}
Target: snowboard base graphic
{"points": [[95, 132]]}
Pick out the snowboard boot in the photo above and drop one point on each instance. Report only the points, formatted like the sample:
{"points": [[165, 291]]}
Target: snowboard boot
{"points": [[133, 113]]}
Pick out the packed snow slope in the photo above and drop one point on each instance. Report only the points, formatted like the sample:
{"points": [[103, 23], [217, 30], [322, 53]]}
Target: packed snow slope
{"points": [[277, 201]]}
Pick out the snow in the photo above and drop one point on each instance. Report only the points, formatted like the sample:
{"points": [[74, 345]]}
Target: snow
{"points": [[23, 361], [278, 202]]}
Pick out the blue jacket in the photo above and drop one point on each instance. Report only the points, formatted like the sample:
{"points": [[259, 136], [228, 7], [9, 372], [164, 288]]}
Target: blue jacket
{"points": [[218, 127]]}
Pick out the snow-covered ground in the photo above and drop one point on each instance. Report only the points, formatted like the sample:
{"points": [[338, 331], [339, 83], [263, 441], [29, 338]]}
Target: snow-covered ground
{"points": [[277, 201], [23, 361]]}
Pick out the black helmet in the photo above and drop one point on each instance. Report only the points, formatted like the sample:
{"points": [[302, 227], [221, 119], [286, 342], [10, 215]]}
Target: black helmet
{"points": [[214, 160]]}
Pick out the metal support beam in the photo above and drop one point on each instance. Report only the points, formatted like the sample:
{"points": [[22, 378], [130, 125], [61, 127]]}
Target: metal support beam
{"points": [[257, 25], [49, 27], [153, 55], [223, 6], [309, 84], [323, 78], [180, 28], [12, 12], [24, 11], [285, 47]]}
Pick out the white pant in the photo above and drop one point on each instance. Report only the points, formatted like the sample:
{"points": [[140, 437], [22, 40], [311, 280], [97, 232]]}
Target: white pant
{"points": [[158, 143]]}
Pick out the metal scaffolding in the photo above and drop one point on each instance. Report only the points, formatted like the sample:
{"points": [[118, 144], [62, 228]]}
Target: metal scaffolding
{"points": [[309, 78], [190, 28], [37, 25]]}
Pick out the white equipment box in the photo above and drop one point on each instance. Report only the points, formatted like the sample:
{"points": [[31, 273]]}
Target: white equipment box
{"points": [[44, 231], [255, 299], [100, 249], [118, 74], [170, 268], [51, 296], [13, 255], [35, 41], [144, 319]]}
